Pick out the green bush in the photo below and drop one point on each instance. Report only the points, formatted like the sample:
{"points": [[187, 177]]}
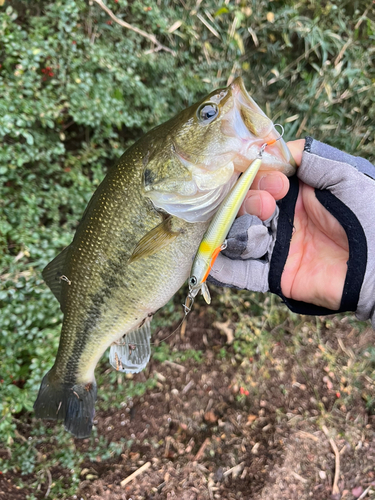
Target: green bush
{"points": [[76, 89]]}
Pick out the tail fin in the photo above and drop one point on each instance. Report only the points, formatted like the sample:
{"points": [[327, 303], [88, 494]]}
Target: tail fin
{"points": [[73, 403]]}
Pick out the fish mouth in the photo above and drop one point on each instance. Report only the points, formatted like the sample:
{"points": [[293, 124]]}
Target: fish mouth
{"points": [[252, 126]]}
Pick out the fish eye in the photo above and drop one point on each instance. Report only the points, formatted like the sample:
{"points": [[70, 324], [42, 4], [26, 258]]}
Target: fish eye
{"points": [[207, 112], [193, 281]]}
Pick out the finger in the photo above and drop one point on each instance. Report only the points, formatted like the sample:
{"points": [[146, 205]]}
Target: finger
{"points": [[296, 148], [272, 181], [259, 203]]}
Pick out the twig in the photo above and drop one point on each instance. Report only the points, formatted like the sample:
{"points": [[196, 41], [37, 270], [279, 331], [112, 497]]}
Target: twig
{"points": [[167, 446], [300, 478], [49, 483], [139, 471], [364, 493], [253, 36], [199, 455], [350, 39], [183, 328], [335, 488], [208, 26], [224, 329], [294, 63], [175, 365], [187, 387], [308, 435], [342, 51], [349, 353], [128, 26], [234, 470], [232, 73], [19, 436]]}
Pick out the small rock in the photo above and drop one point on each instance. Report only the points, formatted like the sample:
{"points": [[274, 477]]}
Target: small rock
{"points": [[255, 448], [218, 475], [322, 474]]}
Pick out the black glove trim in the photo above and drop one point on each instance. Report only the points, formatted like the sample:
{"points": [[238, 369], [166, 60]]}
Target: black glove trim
{"points": [[284, 234], [357, 250], [357, 262]]}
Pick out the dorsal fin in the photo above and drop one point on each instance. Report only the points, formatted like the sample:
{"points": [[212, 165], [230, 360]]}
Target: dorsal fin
{"points": [[132, 352], [54, 275]]}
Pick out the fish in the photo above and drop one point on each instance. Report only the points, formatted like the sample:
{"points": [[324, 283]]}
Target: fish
{"points": [[134, 246]]}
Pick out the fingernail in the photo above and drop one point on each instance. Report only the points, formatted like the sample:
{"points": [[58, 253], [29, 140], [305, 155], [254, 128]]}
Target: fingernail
{"points": [[253, 205], [271, 183]]}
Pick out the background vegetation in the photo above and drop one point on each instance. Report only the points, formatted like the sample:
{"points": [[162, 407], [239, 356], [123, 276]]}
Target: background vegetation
{"points": [[76, 89]]}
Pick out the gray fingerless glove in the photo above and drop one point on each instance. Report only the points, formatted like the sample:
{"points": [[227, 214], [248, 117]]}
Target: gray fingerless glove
{"points": [[257, 251]]}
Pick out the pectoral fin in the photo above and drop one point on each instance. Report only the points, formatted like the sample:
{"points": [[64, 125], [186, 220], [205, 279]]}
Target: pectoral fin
{"points": [[158, 238], [132, 353]]}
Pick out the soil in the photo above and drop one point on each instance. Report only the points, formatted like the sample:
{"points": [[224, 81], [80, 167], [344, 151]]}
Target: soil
{"points": [[201, 435]]}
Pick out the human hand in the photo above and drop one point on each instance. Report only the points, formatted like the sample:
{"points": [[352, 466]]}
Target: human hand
{"points": [[316, 265], [315, 268]]}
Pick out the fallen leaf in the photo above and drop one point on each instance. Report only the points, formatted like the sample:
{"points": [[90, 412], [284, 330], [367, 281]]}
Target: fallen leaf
{"points": [[251, 418], [210, 417], [357, 492], [224, 328]]}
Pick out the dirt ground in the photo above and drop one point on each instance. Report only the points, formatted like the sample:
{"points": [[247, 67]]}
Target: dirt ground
{"points": [[235, 429]]}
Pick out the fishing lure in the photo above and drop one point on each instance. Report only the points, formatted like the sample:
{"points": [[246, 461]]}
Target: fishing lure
{"points": [[214, 241]]}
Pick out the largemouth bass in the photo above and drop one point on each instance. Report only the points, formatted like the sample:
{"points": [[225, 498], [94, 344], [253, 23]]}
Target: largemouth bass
{"points": [[135, 244]]}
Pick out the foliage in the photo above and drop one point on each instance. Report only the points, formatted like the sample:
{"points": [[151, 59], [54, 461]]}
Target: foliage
{"points": [[76, 89]]}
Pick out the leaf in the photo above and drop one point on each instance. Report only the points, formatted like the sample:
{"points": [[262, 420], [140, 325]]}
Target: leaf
{"points": [[175, 26], [29, 138], [239, 41], [221, 11]]}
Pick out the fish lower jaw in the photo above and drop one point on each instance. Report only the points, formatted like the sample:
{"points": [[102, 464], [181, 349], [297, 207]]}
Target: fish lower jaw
{"points": [[241, 163]]}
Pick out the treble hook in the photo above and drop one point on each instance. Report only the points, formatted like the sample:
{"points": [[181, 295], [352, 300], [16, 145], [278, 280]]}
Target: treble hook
{"points": [[263, 147], [189, 301]]}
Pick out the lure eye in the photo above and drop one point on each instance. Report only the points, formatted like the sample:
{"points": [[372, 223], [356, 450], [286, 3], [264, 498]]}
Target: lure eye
{"points": [[193, 281], [207, 112]]}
